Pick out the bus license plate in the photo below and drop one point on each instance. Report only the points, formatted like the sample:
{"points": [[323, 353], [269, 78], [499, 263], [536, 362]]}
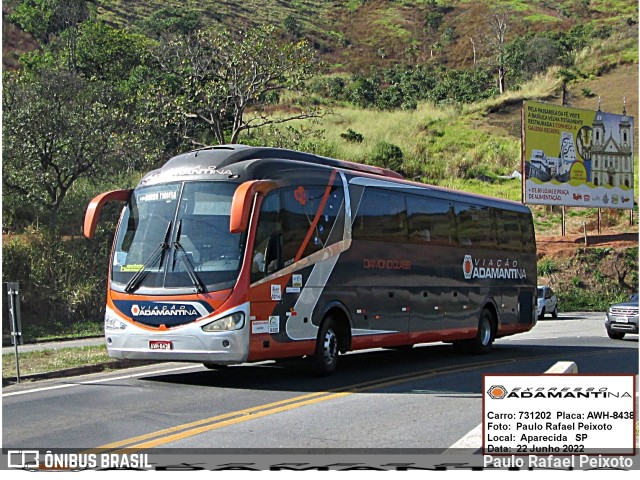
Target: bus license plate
{"points": [[160, 345]]}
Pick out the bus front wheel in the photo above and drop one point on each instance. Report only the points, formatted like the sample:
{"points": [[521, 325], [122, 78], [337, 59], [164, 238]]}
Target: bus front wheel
{"points": [[486, 333], [325, 357]]}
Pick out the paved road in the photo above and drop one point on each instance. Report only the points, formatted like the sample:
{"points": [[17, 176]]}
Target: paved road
{"points": [[426, 398]]}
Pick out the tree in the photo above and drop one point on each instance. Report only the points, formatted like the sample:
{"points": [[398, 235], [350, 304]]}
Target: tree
{"points": [[499, 26], [46, 18], [217, 85], [107, 53], [172, 19], [57, 128]]}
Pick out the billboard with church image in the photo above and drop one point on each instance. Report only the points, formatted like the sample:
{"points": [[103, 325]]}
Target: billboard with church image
{"points": [[578, 158]]}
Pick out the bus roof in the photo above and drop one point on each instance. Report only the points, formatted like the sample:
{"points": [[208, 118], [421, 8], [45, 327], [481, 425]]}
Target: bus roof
{"points": [[220, 156], [216, 160]]}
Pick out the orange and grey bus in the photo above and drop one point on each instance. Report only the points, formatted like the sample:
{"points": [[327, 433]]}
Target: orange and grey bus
{"points": [[234, 254]]}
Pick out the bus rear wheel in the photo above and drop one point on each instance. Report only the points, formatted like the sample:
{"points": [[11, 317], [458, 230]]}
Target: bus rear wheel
{"points": [[325, 357], [486, 333]]}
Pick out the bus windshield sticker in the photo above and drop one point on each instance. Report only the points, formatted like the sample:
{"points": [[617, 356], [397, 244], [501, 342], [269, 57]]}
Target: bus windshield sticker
{"points": [[158, 196], [130, 268], [296, 280], [120, 258]]}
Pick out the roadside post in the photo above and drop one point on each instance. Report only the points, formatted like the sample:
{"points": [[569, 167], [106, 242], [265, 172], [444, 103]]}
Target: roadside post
{"points": [[12, 291]]}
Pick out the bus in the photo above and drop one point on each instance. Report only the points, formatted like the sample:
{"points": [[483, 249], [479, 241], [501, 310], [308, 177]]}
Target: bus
{"points": [[232, 254]]}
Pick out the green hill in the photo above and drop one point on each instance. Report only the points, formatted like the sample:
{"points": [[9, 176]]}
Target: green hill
{"points": [[450, 144], [456, 131], [354, 35]]}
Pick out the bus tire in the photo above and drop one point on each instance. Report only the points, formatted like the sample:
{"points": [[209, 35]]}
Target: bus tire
{"points": [[486, 333], [214, 366], [461, 346], [325, 357]]}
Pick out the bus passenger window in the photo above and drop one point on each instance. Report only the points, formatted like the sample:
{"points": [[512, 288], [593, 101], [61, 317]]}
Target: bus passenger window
{"points": [[475, 225], [431, 220], [510, 235], [381, 216]]}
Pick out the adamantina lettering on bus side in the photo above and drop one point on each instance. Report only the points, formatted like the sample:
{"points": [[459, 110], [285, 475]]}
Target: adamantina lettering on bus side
{"points": [[490, 268]]}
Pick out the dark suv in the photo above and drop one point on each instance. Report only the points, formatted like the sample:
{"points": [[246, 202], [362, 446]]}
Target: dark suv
{"points": [[622, 318]]}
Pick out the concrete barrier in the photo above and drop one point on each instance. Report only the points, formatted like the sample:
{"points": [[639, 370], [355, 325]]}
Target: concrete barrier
{"points": [[563, 367]]}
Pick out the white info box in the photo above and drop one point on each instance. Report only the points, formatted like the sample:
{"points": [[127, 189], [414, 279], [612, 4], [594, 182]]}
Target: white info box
{"points": [[558, 414]]}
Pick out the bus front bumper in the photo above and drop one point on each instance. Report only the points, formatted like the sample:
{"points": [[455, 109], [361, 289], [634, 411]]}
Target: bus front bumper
{"points": [[188, 343]]}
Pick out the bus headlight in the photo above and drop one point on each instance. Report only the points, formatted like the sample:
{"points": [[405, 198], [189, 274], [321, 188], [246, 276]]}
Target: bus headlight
{"points": [[235, 321], [112, 322]]}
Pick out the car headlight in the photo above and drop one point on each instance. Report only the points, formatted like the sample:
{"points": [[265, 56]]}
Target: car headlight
{"points": [[112, 322], [235, 321]]}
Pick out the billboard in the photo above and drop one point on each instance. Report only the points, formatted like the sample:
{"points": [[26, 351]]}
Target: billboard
{"points": [[578, 158]]}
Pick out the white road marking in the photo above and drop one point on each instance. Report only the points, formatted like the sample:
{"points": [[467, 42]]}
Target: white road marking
{"points": [[103, 380]]}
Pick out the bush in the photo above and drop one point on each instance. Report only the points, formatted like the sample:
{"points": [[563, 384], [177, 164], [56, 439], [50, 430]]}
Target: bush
{"points": [[62, 282], [387, 155], [547, 267], [352, 136]]}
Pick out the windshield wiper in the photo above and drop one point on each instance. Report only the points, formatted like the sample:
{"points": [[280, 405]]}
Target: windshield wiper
{"points": [[195, 278], [157, 254]]}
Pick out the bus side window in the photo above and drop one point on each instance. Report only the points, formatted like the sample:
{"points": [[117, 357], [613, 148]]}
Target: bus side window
{"points": [[528, 232], [475, 225], [289, 219], [268, 230], [381, 216], [421, 221], [466, 224], [306, 227], [509, 234], [431, 220]]}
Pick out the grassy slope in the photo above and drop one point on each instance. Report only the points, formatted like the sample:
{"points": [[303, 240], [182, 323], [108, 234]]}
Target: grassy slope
{"points": [[354, 35], [357, 34], [439, 145]]}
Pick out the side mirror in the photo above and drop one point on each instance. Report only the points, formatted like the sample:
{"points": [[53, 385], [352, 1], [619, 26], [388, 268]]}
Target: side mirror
{"points": [[242, 200], [92, 214]]}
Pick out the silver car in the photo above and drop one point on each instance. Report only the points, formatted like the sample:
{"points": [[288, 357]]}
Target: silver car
{"points": [[622, 318], [547, 302]]}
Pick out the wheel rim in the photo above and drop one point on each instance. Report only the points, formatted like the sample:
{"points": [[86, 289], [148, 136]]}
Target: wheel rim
{"points": [[330, 347], [485, 331]]}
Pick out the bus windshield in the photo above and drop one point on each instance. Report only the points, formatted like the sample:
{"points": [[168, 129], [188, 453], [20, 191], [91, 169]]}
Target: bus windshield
{"points": [[175, 237]]}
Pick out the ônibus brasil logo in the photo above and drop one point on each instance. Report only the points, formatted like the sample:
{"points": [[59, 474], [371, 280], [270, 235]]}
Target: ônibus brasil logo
{"points": [[497, 392], [492, 268]]}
